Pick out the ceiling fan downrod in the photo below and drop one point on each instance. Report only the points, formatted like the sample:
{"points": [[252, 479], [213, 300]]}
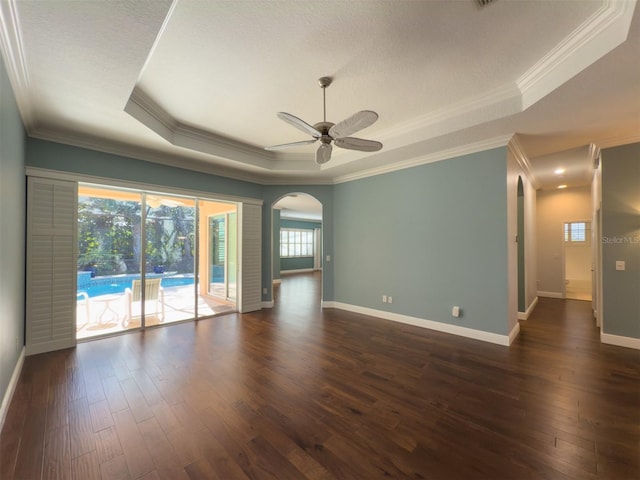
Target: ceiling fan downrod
{"points": [[324, 83]]}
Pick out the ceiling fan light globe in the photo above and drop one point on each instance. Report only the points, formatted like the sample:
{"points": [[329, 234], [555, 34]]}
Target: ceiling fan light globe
{"points": [[323, 154]]}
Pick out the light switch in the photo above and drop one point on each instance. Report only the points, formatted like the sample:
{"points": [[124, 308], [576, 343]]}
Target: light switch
{"points": [[620, 265]]}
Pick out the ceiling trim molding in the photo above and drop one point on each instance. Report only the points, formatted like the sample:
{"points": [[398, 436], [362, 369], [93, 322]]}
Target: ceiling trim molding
{"points": [[594, 158], [617, 140], [607, 28], [177, 161], [500, 94], [144, 108], [13, 52], [515, 147], [140, 153], [459, 151]]}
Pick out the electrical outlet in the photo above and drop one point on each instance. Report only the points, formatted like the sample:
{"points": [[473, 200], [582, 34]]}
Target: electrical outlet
{"points": [[389, 299], [384, 299], [264, 291]]}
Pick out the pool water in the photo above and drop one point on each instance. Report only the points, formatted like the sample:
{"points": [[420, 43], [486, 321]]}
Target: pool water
{"points": [[116, 284]]}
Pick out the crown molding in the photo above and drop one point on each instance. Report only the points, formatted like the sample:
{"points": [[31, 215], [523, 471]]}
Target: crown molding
{"points": [[607, 28], [617, 140], [15, 61], [144, 154], [594, 154], [594, 157], [146, 110], [504, 93], [459, 151], [515, 147], [141, 153]]}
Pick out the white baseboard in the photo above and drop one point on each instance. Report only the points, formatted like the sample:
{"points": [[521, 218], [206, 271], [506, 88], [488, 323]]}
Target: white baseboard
{"points": [[514, 333], [550, 294], [620, 341], [11, 388], [253, 307], [276, 281], [267, 304], [430, 324], [299, 270], [525, 315]]}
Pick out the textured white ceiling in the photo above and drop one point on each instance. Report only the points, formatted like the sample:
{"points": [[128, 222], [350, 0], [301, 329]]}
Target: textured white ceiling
{"points": [[201, 81]]}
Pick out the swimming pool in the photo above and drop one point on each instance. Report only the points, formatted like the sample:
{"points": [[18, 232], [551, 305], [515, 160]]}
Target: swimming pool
{"points": [[117, 283]]}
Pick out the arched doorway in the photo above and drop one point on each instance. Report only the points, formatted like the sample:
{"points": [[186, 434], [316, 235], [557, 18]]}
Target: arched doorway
{"points": [[297, 233]]}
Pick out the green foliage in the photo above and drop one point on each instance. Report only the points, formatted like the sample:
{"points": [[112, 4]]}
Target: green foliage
{"points": [[109, 236]]}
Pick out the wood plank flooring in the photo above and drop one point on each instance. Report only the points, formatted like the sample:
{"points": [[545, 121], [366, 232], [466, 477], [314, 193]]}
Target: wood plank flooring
{"points": [[299, 393]]}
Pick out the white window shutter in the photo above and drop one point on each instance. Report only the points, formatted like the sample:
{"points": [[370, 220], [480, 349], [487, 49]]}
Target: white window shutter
{"points": [[52, 210], [250, 258]]}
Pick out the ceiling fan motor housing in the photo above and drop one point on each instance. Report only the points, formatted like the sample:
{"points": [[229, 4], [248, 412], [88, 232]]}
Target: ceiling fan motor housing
{"points": [[323, 128]]}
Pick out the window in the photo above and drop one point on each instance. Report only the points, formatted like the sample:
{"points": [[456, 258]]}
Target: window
{"points": [[577, 232], [296, 242]]}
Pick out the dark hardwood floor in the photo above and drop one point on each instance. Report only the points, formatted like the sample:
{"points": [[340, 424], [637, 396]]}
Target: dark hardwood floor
{"points": [[300, 393]]}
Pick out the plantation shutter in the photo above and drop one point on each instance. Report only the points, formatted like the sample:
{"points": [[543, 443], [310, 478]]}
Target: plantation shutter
{"points": [[250, 267], [51, 273]]}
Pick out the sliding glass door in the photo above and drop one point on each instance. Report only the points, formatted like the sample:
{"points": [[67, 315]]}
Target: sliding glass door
{"points": [[109, 253], [170, 255], [141, 256]]}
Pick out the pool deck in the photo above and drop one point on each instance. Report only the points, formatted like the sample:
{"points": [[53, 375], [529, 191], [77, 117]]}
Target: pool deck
{"points": [[107, 314]]}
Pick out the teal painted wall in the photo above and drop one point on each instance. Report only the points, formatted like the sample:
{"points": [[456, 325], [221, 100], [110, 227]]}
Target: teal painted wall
{"points": [[300, 263], [432, 237], [12, 232], [297, 263], [56, 156], [621, 240]]}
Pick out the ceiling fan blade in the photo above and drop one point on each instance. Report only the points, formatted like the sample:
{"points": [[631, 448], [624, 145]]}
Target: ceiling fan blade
{"points": [[289, 145], [299, 124], [353, 124], [323, 155], [361, 144]]}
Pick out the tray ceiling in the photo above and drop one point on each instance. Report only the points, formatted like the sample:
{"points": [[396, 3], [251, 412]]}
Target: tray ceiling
{"points": [[198, 84]]}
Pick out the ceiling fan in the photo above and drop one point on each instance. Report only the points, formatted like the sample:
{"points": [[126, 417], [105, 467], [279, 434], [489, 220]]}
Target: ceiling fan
{"points": [[328, 132]]}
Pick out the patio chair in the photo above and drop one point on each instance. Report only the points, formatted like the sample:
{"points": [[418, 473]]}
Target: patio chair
{"points": [[153, 294], [82, 299]]}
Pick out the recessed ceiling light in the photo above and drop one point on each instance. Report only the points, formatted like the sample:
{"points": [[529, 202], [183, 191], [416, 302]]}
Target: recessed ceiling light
{"points": [[559, 171], [562, 186]]}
